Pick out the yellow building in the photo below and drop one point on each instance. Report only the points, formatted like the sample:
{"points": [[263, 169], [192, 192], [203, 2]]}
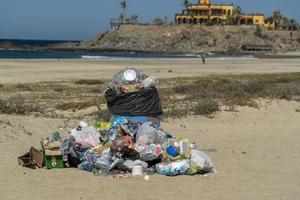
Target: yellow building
{"points": [[204, 12], [207, 13]]}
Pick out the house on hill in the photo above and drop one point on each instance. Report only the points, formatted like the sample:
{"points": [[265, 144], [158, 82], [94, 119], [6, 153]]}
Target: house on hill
{"points": [[206, 12]]}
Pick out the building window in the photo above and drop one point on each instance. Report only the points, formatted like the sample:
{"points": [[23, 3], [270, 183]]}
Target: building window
{"points": [[216, 12]]}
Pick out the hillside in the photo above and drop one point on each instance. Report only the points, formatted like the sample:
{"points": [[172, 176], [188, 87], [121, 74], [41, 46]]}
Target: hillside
{"points": [[191, 39]]}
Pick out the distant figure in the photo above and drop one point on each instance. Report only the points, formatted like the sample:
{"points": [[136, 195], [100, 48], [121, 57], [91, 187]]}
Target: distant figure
{"points": [[203, 58], [291, 34]]}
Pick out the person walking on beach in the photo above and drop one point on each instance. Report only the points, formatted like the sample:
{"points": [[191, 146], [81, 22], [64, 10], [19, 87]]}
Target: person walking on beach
{"points": [[203, 58]]}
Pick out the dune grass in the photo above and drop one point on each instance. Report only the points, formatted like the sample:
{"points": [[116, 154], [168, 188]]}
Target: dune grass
{"points": [[179, 96]]}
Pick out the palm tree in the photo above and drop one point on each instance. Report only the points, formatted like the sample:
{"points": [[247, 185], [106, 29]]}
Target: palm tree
{"points": [[123, 6]]}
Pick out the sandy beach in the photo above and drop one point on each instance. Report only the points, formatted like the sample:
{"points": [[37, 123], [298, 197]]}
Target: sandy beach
{"points": [[255, 150], [24, 71]]}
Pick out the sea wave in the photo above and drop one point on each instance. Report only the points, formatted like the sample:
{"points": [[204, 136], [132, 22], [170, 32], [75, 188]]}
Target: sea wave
{"points": [[92, 57], [250, 57], [88, 57]]}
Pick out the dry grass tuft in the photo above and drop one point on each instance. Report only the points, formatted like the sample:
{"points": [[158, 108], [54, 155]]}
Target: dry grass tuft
{"points": [[206, 107], [89, 82], [241, 90], [24, 87], [179, 96]]}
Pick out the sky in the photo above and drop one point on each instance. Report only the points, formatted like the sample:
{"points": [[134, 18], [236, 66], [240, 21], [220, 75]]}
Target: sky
{"points": [[84, 19]]}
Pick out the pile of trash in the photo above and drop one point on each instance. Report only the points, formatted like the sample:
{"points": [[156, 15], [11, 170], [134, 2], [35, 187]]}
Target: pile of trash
{"points": [[132, 142]]}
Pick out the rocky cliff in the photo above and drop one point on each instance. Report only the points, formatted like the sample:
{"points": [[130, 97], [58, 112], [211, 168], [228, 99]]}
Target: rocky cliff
{"points": [[190, 39]]}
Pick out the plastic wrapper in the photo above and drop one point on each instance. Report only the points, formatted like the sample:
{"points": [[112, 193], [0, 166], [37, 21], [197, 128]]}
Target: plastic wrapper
{"points": [[138, 119], [130, 128], [179, 167], [149, 82], [114, 132], [120, 143], [104, 161], [88, 159], [102, 126], [86, 166]]}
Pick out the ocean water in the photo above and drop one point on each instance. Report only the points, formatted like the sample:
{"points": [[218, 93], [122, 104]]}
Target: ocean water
{"points": [[21, 42], [38, 54]]}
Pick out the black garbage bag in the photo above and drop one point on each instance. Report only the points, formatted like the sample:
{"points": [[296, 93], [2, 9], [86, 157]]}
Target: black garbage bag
{"points": [[144, 102]]}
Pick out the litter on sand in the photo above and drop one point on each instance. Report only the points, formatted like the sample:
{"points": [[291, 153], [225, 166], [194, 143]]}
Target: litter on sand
{"points": [[132, 144]]}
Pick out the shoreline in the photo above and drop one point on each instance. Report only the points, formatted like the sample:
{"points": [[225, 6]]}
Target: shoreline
{"points": [[127, 54]]}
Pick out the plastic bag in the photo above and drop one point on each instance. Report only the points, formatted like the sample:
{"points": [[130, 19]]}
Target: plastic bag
{"points": [[86, 136], [177, 149], [127, 76], [147, 135], [200, 162], [145, 102], [149, 152], [128, 80], [179, 167]]}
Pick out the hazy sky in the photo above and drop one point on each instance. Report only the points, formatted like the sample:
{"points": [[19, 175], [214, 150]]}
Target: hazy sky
{"points": [[83, 19]]}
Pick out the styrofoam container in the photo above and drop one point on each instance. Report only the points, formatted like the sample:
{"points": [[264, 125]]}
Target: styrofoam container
{"points": [[137, 170]]}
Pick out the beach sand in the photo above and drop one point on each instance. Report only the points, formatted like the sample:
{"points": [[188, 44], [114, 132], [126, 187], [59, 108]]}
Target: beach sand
{"points": [[24, 71], [255, 151]]}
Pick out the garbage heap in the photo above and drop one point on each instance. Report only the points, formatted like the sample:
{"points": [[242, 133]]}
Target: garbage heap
{"points": [[132, 141]]}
